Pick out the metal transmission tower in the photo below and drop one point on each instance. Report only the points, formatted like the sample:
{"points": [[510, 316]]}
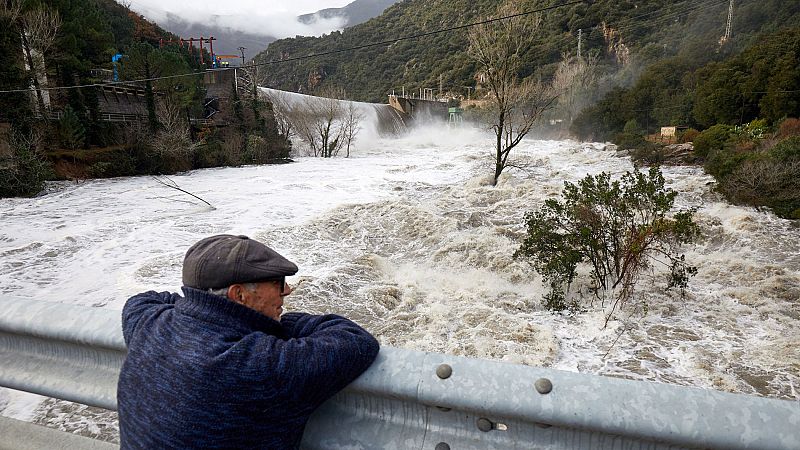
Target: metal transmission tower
{"points": [[727, 35]]}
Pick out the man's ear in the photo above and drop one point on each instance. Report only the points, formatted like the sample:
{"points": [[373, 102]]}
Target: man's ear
{"points": [[236, 292]]}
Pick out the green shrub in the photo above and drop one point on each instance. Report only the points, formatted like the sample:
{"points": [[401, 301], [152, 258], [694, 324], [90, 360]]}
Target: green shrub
{"points": [[722, 163], [629, 141], [71, 132], [787, 150], [712, 139], [100, 169], [615, 229], [632, 127], [649, 154], [758, 177], [24, 171], [688, 136], [117, 163]]}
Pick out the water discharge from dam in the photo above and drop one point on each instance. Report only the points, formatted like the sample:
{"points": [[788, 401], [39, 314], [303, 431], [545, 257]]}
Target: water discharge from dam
{"points": [[409, 238], [378, 120]]}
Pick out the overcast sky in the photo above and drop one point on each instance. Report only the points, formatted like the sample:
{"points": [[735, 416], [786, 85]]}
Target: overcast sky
{"points": [[276, 18]]}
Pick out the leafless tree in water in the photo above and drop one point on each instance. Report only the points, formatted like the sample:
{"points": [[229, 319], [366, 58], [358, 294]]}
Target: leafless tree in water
{"points": [[515, 103], [282, 111], [327, 124]]}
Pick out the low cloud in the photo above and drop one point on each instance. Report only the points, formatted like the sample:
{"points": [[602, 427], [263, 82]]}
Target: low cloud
{"points": [[258, 18]]}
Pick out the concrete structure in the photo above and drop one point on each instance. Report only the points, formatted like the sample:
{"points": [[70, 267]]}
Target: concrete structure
{"points": [[416, 400], [417, 109]]}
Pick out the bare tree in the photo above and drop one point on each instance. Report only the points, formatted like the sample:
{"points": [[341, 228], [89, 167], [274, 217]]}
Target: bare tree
{"points": [[515, 104], [42, 26], [326, 124], [11, 9], [172, 141], [38, 29], [351, 125], [282, 112]]}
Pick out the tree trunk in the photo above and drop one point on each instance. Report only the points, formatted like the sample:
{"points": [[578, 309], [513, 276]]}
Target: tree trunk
{"points": [[34, 78], [149, 97]]}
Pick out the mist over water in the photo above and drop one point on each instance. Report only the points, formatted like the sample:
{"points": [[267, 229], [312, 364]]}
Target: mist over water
{"points": [[409, 238], [376, 120]]}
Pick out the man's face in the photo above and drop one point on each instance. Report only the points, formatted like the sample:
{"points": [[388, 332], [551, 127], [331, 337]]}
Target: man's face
{"points": [[266, 298]]}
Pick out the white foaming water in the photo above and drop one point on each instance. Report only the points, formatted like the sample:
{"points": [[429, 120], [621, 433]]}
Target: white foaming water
{"points": [[408, 238], [376, 120]]}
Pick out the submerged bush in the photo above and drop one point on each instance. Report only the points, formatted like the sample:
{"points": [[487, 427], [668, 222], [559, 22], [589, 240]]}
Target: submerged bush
{"points": [[616, 229]]}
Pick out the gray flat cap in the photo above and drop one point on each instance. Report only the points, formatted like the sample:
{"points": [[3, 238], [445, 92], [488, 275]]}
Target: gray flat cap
{"points": [[220, 261]]}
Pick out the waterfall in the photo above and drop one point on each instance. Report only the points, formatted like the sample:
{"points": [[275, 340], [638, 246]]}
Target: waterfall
{"points": [[379, 120]]}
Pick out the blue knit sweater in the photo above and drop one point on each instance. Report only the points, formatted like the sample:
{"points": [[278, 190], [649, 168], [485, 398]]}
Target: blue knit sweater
{"points": [[205, 372]]}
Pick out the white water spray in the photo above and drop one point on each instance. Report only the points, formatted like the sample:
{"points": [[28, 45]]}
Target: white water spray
{"points": [[408, 238]]}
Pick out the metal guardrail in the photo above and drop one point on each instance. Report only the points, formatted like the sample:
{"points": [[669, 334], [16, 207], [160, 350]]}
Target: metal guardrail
{"points": [[417, 400]]}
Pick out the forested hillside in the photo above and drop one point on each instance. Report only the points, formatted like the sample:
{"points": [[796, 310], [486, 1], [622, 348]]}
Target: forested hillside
{"points": [[627, 36], [91, 92]]}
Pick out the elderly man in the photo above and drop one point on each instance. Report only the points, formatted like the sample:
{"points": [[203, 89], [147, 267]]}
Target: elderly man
{"points": [[220, 368]]}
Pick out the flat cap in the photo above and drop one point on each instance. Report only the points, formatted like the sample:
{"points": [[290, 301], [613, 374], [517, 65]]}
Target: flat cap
{"points": [[220, 261]]}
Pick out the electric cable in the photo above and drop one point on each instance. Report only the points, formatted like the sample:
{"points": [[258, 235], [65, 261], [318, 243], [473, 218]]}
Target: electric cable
{"points": [[314, 55], [665, 17]]}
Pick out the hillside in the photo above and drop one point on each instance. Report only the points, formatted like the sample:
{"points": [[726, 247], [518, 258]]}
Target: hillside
{"points": [[353, 13], [229, 37], [626, 35], [163, 124]]}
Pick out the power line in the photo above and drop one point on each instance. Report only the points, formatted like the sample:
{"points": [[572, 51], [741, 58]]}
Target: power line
{"points": [[662, 18], [420, 35], [313, 55]]}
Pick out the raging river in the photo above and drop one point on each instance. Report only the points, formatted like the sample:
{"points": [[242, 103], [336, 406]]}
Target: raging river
{"points": [[409, 238]]}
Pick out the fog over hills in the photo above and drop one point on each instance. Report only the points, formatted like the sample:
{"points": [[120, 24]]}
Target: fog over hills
{"points": [[255, 33], [354, 13]]}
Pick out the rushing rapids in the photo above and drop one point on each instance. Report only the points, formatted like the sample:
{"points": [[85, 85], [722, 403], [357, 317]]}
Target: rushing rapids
{"points": [[409, 238]]}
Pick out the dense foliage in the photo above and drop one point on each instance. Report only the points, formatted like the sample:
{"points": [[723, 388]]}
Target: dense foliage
{"points": [[627, 35], [615, 228], [761, 82], [72, 42], [754, 165]]}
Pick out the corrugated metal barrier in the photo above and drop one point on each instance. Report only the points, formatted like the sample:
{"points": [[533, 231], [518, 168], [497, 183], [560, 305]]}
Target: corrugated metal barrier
{"points": [[417, 400]]}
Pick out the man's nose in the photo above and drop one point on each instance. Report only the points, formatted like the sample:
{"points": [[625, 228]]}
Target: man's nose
{"points": [[286, 290]]}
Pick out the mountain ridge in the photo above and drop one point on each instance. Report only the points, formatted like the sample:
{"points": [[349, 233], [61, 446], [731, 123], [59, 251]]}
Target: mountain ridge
{"points": [[626, 36]]}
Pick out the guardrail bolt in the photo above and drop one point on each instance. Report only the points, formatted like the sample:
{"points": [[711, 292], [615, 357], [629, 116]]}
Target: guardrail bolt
{"points": [[444, 371], [485, 425], [442, 446], [543, 386]]}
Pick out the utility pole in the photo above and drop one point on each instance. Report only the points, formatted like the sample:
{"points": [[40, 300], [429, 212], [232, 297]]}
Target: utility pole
{"points": [[441, 85], [580, 38], [242, 49]]}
